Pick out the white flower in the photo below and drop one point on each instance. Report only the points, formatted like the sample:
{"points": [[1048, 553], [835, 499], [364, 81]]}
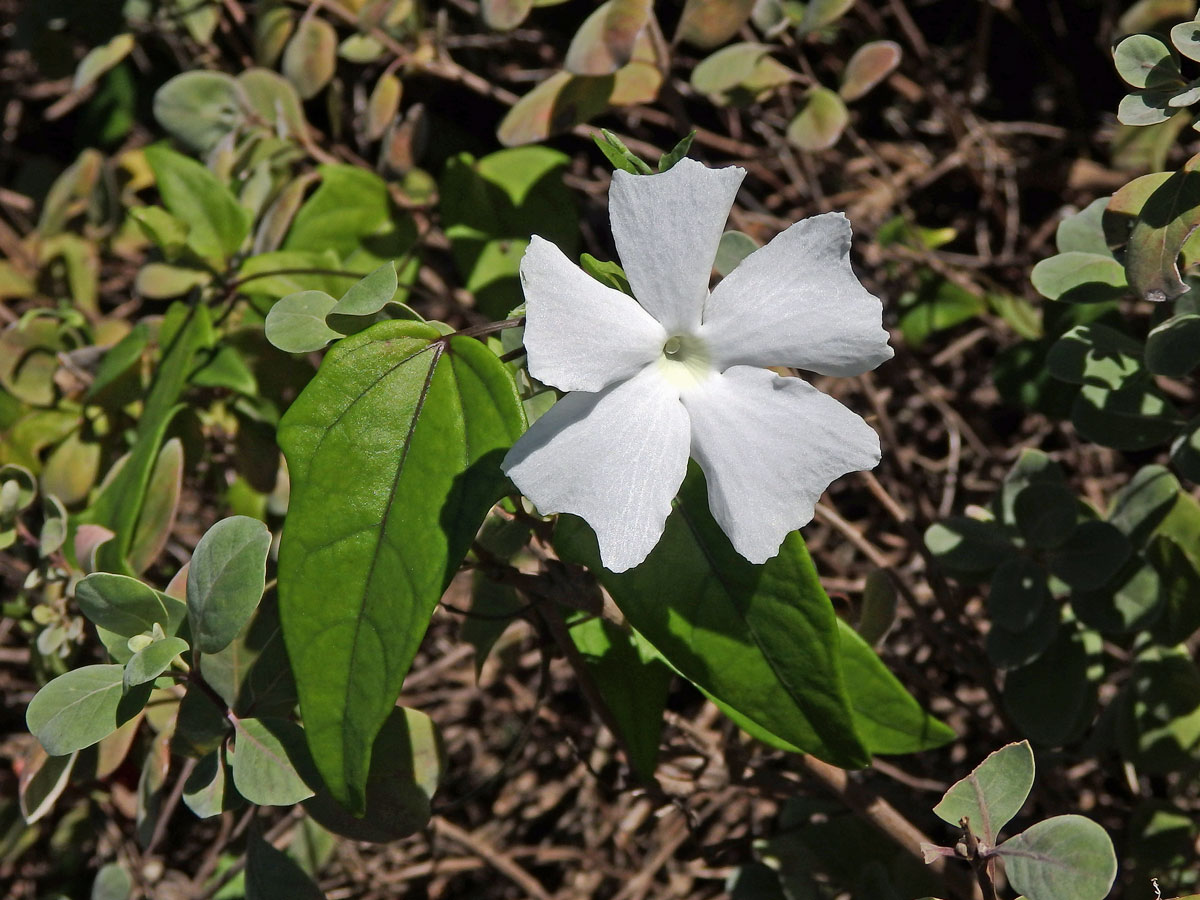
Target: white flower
{"points": [[679, 371]]}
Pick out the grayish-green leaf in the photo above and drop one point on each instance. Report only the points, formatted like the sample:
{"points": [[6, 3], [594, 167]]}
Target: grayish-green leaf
{"points": [[734, 247], [1063, 858], [296, 323], [1144, 61], [1078, 277], [226, 579], [152, 660], [125, 605], [270, 761], [992, 794], [81, 707]]}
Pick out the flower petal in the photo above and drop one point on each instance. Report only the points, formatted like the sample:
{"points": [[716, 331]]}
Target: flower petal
{"points": [[796, 302], [769, 446], [615, 458], [581, 335], [667, 228]]}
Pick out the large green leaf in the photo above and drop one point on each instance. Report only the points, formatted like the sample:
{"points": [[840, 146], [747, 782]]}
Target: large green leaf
{"points": [[394, 452], [992, 794], [118, 505], [226, 579], [762, 639], [633, 684], [82, 707], [1063, 858], [217, 222], [1163, 226]]}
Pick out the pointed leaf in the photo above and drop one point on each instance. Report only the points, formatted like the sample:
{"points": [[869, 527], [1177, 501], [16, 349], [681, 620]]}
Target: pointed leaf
{"points": [[158, 512], [992, 794], [763, 639], [393, 451]]}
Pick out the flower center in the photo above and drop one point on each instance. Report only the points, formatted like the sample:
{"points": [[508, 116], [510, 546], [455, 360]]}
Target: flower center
{"points": [[685, 360]]}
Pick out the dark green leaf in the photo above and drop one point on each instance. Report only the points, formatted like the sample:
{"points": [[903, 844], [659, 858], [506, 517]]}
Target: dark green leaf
{"points": [[1046, 515], [1052, 700], [406, 765], [272, 875], [762, 639], [1018, 592], [1181, 588], [968, 545], [209, 789], [1097, 355], [112, 883], [1158, 723], [1135, 416], [1090, 556], [1173, 347], [633, 685], [394, 452]]}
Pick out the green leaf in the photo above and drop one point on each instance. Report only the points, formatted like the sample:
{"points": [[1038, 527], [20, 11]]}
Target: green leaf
{"points": [[157, 516], [1052, 700], [199, 108], [1084, 231], [608, 273], [225, 580], [709, 23], [351, 213], [492, 205], [1131, 601], [1181, 588], [1092, 554], [218, 224], [633, 684], [120, 501], [296, 323], [1097, 355], [762, 639], [1046, 515], [968, 545], [992, 794], [209, 789], [887, 718], [112, 882], [100, 59], [125, 605], [41, 782], [272, 875], [82, 707], [619, 155], [560, 102], [1186, 38], [733, 248], [270, 762], [152, 660], [728, 68], [118, 360], [252, 674], [1135, 416], [310, 58], [1143, 503], [1063, 858], [370, 295], [1009, 649], [820, 122], [667, 161], [393, 451], [1158, 718], [1144, 61], [1079, 277], [605, 41], [1017, 594], [1173, 346], [1165, 223], [406, 765], [819, 13], [936, 305]]}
